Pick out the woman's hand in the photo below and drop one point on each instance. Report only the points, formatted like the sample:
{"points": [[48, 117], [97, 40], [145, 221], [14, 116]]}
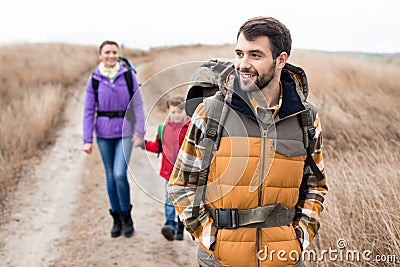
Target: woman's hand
{"points": [[137, 141], [87, 148]]}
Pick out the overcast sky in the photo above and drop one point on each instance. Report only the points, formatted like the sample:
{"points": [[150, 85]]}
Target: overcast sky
{"points": [[340, 25]]}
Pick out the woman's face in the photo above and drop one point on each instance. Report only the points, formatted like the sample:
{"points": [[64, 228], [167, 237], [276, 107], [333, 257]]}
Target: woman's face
{"points": [[109, 55]]}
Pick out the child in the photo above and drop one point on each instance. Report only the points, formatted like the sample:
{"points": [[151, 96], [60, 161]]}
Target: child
{"points": [[168, 141]]}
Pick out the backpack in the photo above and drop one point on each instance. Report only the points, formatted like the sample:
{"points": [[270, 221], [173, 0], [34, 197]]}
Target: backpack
{"points": [[127, 63], [207, 81], [159, 135], [129, 113]]}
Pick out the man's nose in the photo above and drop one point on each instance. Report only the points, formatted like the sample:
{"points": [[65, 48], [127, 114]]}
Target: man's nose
{"points": [[244, 62]]}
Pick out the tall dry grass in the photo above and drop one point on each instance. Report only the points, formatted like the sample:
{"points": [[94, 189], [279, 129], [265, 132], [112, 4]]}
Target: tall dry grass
{"points": [[34, 82], [359, 100]]}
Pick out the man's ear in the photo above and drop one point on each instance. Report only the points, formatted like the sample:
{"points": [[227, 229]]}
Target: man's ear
{"points": [[281, 60]]}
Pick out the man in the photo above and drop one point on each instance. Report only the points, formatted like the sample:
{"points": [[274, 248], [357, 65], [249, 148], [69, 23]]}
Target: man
{"points": [[262, 200]]}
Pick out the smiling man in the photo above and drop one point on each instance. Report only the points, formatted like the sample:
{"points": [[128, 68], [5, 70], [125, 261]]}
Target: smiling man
{"points": [[265, 185]]}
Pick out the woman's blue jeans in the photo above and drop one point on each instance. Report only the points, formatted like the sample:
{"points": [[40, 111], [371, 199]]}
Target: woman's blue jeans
{"points": [[116, 153]]}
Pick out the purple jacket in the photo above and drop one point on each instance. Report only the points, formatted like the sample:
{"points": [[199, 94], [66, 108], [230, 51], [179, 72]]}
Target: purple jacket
{"points": [[112, 97]]}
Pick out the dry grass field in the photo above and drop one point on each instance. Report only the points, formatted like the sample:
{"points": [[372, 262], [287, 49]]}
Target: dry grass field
{"points": [[34, 85], [358, 98]]}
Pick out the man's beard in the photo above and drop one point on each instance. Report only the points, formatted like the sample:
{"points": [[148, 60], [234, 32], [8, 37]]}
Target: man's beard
{"points": [[261, 81]]}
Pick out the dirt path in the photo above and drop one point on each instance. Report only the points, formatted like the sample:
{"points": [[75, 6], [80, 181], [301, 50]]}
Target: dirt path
{"points": [[44, 199], [58, 215]]}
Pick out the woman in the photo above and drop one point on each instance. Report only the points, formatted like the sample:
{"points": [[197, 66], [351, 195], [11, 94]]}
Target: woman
{"points": [[107, 90]]}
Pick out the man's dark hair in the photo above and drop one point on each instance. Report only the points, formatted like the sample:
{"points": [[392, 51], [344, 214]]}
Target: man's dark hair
{"points": [[107, 42], [278, 34]]}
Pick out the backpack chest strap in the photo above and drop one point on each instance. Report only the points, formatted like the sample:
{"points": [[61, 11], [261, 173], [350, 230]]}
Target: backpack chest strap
{"points": [[259, 217], [111, 114]]}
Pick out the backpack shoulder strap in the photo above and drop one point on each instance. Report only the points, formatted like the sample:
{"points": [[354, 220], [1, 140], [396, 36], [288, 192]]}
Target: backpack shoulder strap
{"points": [[129, 81], [216, 114], [159, 135], [130, 114], [95, 86], [307, 119]]}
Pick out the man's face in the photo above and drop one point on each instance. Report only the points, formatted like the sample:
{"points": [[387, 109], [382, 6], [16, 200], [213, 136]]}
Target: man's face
{"points": [[254, 63]]}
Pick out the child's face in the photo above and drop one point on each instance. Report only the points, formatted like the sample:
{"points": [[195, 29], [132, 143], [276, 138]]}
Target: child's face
{"points": [[175, 114]]}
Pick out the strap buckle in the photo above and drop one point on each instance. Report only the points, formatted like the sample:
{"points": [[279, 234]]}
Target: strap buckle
{"points": [[226, 218], [311, 131], [211, 133]]}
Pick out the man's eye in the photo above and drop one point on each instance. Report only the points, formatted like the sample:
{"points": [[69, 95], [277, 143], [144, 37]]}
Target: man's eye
{"points": [[239, 54], [255, 55]]}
